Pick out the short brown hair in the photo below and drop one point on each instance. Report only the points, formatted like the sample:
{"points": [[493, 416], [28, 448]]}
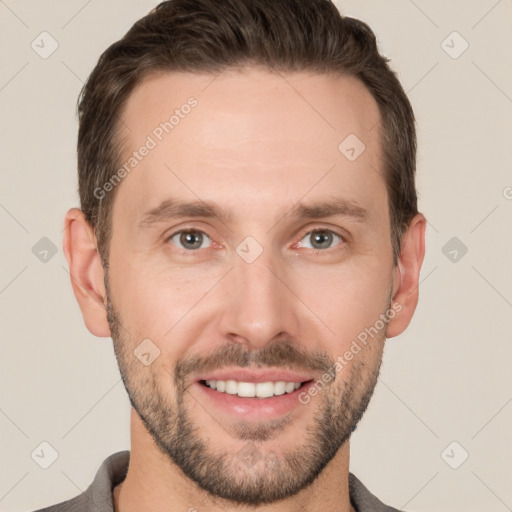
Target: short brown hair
{"points": [[211, 35]]}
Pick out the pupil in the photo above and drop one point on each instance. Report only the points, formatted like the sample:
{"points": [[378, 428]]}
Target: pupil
{"points": [[322, 239], [191, 240]]}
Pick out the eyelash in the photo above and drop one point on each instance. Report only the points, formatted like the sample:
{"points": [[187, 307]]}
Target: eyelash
{"points": [[197, 252]]}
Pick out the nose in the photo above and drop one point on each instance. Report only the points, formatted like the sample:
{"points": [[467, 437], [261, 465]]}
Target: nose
{"points": [[259, 305]]}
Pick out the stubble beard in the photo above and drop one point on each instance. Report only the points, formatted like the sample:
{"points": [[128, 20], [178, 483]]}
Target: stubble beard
{"points": [[253, 475]]}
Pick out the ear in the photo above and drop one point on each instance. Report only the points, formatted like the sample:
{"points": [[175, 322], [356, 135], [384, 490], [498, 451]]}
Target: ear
{"points": [[406, 276], [87, 276]]}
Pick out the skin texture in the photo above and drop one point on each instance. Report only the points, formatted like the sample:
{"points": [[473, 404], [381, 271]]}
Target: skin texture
{"points": [[256, 144]]}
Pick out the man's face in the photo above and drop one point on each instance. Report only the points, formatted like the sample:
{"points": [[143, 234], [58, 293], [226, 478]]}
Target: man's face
{"points": [[269, 291]]}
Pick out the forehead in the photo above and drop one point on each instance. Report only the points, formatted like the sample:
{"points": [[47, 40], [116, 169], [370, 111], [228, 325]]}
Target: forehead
{"points": [[249, 139]]}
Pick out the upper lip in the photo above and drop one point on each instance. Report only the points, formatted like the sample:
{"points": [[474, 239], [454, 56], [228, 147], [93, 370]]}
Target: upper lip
{"points": [[255, 376]]}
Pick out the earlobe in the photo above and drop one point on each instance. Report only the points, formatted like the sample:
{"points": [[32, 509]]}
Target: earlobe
{"points": [[407, 273], [87, 276]]}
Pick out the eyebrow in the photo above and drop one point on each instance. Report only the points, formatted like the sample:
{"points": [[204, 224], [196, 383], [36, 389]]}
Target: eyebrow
{"points": [[172, 208], [336, 206]]}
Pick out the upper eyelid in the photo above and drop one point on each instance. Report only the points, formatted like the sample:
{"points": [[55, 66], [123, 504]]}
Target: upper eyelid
{"points": [[186, 230], [343, 237], [323, 229], [198, 230]]}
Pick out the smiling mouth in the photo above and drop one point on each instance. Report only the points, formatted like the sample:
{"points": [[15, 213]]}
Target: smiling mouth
{"points": [[253, 389]]}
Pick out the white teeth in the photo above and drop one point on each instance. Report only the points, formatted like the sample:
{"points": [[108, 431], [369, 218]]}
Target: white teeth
{"points": [[231, 387], [246, 389], [264, 389], [251, 389], [280, 388], [290, 386]]}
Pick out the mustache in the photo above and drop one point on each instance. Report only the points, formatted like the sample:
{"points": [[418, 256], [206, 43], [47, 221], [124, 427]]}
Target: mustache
{"points": [[281, 354]]}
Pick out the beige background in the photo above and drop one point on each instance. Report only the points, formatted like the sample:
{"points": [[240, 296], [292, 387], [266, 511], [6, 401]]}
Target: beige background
{"points": [[446, 379]]}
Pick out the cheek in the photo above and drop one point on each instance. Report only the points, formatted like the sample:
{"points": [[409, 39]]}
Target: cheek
{"points": [[155, 300], [348, 299]]}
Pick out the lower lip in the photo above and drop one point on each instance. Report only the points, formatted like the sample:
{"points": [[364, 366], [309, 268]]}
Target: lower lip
{"points": [[253, 408]]}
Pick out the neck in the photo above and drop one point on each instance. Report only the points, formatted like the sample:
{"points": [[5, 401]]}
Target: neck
{"points": [[154, 482]]}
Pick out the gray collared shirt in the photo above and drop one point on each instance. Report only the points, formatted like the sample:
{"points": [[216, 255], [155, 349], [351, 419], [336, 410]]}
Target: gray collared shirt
{"points": [[98, 496]]}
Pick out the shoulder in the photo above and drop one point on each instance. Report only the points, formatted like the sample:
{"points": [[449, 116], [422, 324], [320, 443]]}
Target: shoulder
{"points": [[77, 504], [363, 500], [98, 496]]}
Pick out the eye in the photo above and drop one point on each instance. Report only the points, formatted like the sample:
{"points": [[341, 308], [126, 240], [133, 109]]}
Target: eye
{"points": [[320, 239], [190, 240]]}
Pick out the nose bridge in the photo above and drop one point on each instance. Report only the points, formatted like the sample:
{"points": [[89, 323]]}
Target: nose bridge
{"points": [[259, 306]]}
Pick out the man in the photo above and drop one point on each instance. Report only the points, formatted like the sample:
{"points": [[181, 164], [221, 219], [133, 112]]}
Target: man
{"points": [[249, 237]]}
